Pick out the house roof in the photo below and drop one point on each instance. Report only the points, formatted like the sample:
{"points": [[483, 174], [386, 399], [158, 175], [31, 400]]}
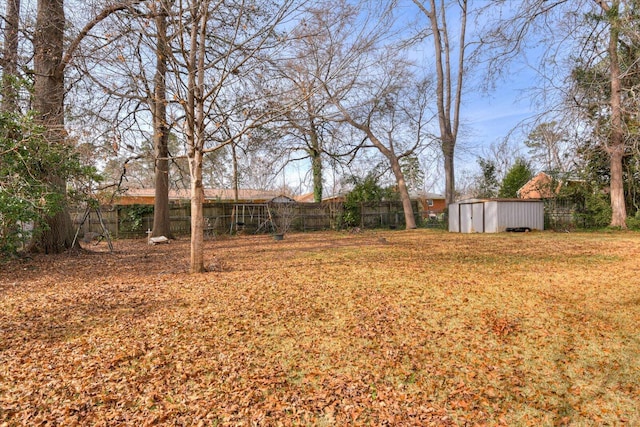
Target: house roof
{"points": [[538, 187], [305, 198], [309, 198], [209, 194], [434, 196]]}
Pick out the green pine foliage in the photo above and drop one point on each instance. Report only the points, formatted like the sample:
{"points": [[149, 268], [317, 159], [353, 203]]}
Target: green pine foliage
{"points": [[367, 189], [26, 194], [487, 183], [519, 174]]}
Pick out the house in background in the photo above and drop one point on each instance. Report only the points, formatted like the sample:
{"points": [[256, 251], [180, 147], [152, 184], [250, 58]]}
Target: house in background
{"points": [[541, 186], [432, 205], [309, 198], [561, 209], [548, 185], [305, 198], [146, 196]]}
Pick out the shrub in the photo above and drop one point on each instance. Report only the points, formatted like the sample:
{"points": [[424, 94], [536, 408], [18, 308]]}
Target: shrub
{"points": [[633, 222], [596, 212], [364, 190], [27, 193], [132, 217], [25, 196]]}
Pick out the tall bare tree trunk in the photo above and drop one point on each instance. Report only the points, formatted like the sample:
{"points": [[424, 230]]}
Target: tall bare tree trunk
{"points": [[236, 178], [48, 101], [197, 213], [195, 130], [448, 96], [315, 152], [409, 217], [10, 57], [161, 217], [616, 146], [49, 70], [448, 149]]}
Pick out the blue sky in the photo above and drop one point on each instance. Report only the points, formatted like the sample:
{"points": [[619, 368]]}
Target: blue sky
{"points": [[486, 117], [489, 118]]}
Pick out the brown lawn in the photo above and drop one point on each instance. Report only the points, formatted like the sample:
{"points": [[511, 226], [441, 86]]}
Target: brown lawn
{"points": [[378, 328]]}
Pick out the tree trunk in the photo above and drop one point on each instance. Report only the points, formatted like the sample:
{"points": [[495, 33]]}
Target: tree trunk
{"points": [[448, 99], [616, 144], [48, 101], [10, 57], [49, 71], [409, 218], [56, 234], [618, 207], [197, 214], [161, 217], [316, 167], [315, 152], [234, 156], [195, 132], [448, 148], [161, 213]]}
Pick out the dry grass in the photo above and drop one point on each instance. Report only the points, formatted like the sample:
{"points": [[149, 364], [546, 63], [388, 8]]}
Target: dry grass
{"points": [[379, 328]]}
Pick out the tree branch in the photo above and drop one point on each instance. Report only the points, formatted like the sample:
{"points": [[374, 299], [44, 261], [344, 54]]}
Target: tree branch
{"points": [[75, 43]]}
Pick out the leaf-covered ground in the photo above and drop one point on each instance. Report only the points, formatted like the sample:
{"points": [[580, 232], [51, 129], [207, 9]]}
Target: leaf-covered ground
{"points": [[379, 328]]}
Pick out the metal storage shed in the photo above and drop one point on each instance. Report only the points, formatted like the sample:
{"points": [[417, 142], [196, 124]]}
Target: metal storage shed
{"points": [[495, 215]]}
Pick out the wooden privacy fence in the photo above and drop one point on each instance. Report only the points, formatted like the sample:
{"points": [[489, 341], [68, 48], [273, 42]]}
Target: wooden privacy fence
{"points": [[133, 221], [560, 213]]}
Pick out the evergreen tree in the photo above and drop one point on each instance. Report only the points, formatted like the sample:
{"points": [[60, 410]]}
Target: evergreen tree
{"points": [[519, 174], [487, 183]]}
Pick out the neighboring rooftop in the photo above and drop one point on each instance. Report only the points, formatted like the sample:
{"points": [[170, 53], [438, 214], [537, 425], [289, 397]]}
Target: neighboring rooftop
{"points": [[147, 195]]}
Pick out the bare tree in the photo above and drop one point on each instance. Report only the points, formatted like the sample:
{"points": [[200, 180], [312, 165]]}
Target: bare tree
{"points": [[450, 75], [371, 84], [503, 154], [216, 45], [308, 124], [547, 144], [128, 62], [161, 220], [384, 115]]}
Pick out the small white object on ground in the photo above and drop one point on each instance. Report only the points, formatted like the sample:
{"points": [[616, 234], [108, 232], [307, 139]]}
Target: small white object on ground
{"points": [[156, 240]]}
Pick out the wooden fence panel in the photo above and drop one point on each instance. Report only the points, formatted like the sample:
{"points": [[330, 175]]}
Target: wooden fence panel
{"points": [[228, 217]]}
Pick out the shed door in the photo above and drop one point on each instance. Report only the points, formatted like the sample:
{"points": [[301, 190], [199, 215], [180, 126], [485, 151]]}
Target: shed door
{"points": [[466, 218], [478, 218], [472, 218]]}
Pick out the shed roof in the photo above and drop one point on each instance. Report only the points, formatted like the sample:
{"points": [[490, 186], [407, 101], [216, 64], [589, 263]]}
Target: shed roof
{"points": [[498, 199]]}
